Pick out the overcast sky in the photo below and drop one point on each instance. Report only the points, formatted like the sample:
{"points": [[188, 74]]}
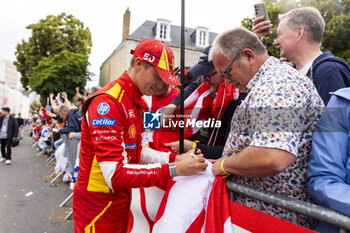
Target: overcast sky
{"points": [[105, 19]]}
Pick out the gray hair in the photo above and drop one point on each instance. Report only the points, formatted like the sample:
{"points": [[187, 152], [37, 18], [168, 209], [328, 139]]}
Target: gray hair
{"points": [[230, 42], [308, 17], [63, 108]]}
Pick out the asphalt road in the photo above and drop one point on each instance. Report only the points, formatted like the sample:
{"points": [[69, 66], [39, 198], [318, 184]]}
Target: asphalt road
{"points": [[40, 212]]}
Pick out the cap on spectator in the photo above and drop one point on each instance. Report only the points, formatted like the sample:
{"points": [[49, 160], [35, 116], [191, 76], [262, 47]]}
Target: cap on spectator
{"points": [[158, 54], [203, 66]]}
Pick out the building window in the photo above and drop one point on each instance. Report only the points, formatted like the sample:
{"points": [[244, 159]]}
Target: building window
{"points": [[163, 30], [202, 37]]}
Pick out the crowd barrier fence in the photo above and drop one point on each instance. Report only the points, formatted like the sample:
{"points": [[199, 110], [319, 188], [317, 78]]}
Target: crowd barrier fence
{"points": [[296, 206]]}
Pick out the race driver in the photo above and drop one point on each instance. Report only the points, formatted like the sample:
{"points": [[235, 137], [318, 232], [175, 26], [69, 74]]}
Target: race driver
{"points": [[114, 157]]}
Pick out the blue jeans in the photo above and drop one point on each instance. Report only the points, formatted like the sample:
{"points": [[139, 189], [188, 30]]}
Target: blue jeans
{"points": [[58, 143]]}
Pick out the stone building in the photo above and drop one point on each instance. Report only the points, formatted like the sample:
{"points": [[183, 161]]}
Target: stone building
{"points": [[196, 39]]}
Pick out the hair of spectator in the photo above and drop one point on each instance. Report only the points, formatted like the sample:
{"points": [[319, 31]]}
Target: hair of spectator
{"points": [[81, 100], [63, 108], [6, 109], [94, 89], [230, 42], [308, 17]]}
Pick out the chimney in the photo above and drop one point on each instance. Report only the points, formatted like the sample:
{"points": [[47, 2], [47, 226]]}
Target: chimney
{"points": [[126, 23]]}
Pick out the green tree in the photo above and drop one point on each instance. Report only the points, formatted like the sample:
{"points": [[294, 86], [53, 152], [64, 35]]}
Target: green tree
{"points": [[336, 14], [58, 73], [50, 36]]}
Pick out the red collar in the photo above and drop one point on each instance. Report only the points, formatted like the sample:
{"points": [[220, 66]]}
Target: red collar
{"points": [[130, 88], [127, 85]]}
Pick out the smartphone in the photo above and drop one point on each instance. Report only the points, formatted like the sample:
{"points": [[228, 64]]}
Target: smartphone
{"points": [[260, 10]]}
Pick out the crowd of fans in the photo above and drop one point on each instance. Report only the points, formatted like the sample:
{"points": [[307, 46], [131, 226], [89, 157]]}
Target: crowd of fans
{"points": [[58, 130], [258, 143]]}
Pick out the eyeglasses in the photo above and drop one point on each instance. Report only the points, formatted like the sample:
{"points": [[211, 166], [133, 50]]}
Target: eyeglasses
{"points": [[207, 77], [227, 74]]}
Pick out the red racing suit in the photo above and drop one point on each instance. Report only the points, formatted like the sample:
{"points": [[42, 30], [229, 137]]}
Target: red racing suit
{"points": [[110, 156]]}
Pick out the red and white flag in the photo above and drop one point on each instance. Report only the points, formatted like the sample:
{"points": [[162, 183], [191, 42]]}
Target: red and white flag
{"points": [[199, 106], [200, 204]]}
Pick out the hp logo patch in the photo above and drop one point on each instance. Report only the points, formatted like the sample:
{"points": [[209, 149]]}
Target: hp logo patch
{"points": [[103, 108], [151, 120]]}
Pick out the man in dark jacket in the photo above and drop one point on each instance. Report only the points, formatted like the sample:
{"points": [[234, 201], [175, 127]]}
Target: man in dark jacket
{"points": [[8, 131], [73, 120]]}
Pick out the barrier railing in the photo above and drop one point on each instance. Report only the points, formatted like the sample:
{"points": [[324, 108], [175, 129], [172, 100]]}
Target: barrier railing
{"points": [[298, 207], [71, 152]]}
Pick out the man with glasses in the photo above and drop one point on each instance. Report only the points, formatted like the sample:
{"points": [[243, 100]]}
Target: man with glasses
{"points": [[216, 137], [112, 149], [271, 130]]}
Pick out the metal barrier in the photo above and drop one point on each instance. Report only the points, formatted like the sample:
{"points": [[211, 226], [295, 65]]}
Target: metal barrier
{"points": [[299, 207], [76, 164], [71, 147], [72, 150]]}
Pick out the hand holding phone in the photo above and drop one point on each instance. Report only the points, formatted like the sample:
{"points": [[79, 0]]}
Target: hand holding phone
{"points": [[260, 10], [262, 24]]}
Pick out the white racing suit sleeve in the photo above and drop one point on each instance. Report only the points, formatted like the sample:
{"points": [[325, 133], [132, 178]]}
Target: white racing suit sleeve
{"points": [[149, 155]]}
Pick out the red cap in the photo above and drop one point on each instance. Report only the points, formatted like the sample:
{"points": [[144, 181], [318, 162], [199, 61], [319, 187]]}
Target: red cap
{"points": [[158, 54]]}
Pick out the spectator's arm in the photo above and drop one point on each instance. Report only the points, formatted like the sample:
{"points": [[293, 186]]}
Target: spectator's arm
{"points": [[188, 90], [55, 108], [58, 104], [40, 112], [169, 110], [270, 162], [328, 173], [52, 102], [58, 97], [77, 94], [68, 127], [66, 101]]}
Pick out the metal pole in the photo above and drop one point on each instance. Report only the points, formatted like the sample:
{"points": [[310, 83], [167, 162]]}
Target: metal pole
{"points": [[69, 215], [66, 200], [182, 66]]}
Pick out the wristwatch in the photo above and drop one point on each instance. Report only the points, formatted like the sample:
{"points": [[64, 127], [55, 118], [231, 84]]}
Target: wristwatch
{"points": [[172, 169]]}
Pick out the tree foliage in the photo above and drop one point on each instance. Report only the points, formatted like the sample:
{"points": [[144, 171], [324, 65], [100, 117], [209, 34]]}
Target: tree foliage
{"points": [[51, 36], [58, 73], [336, 14]]}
